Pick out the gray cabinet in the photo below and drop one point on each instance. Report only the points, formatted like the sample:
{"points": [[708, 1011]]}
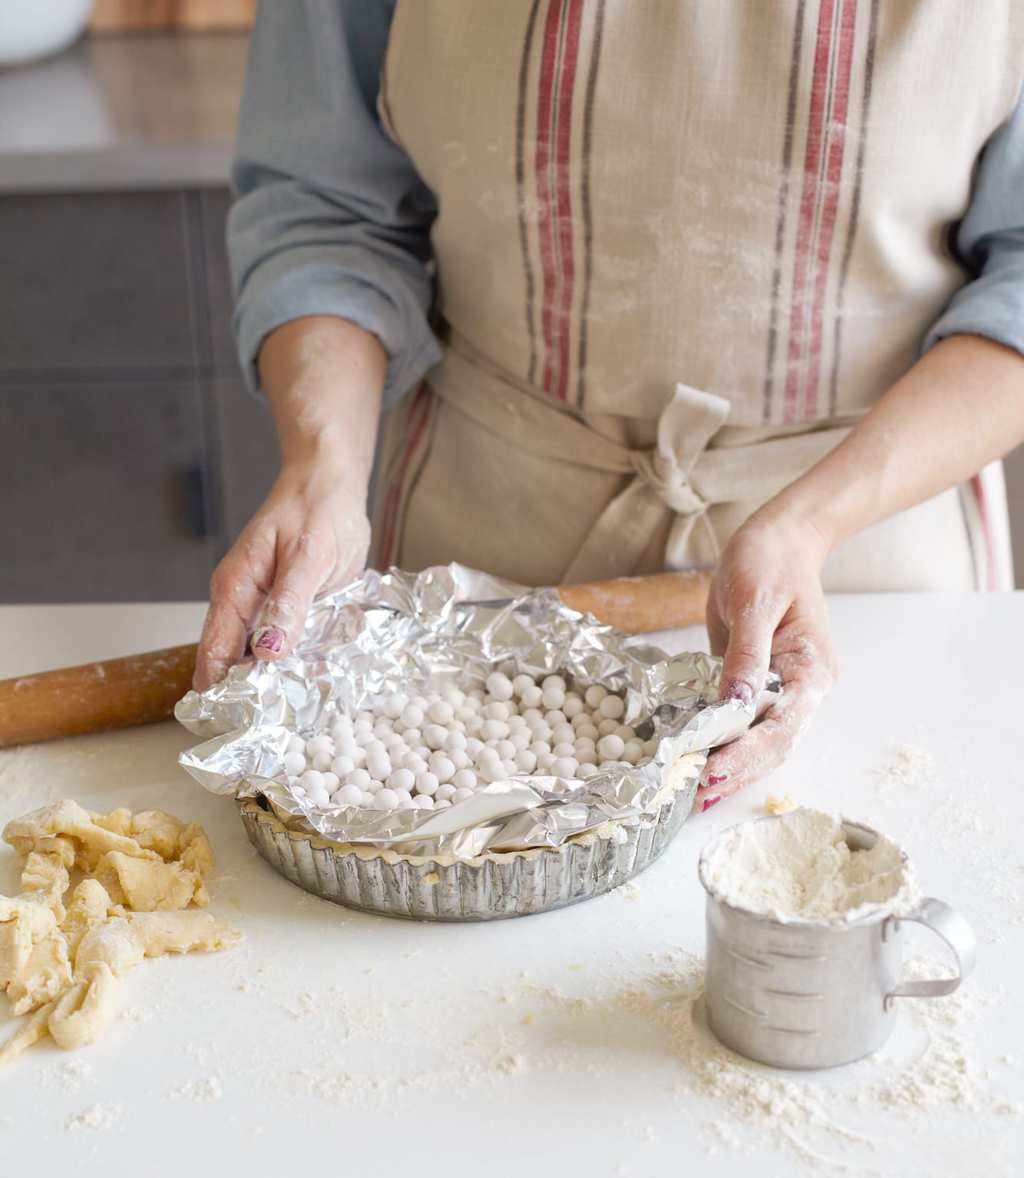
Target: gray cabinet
{"points": [[248, 452], [213, 212], [103, 492], [96, 281], [130, 454]]}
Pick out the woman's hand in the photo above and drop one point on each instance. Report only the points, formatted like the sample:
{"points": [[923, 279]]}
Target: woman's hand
{"points": [[766, 603], [323, 378], [311, 534], [766, 608]]}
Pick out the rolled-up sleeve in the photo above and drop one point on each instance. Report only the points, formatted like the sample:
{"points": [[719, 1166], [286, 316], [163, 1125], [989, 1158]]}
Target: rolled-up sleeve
{"points": [[990, 242], [331, 217]]}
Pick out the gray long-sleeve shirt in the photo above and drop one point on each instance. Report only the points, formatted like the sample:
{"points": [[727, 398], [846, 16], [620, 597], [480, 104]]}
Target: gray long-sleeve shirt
{"points": [[332, 218]]}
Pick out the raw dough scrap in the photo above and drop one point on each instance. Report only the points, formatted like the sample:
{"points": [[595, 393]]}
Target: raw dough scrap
{"points": [[145, 886], [124, 942], [109, 950], [157, 831], [118, 821], [83, 1012], [86, 831], [145, 873], [46, 873], [31, 1031], [195, 851], [24, 922], [45, 975], [779, 804], [90, 903]]}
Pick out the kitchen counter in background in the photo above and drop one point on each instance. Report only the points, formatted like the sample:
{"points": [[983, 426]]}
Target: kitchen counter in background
{"points": [[560, 1045], [114, 112]]}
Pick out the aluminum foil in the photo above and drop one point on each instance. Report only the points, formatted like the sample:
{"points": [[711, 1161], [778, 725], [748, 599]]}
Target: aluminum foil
{"points": [[400, 631]]}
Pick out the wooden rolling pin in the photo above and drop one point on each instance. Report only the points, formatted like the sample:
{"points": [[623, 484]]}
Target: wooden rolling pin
{"points": [[143, 688]]}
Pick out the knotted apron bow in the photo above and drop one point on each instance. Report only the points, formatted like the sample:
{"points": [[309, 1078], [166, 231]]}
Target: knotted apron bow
{"points": [[684, 473]]}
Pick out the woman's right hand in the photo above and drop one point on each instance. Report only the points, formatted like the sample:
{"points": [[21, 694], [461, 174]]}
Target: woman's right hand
{"points": [[311, 534], [323, 377]]}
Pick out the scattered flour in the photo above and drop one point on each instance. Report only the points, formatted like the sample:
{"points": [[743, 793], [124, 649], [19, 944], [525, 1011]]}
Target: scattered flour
{"points": [[342, 1088], [135, 1014], [307, 1005], [98, 1117], [398, 1057], [799, 867], [907, 767], [201, 1091], [351, 1018], [833, 1121], [956, 817], [510, 1063], [70, 1075], [947, 1073]]}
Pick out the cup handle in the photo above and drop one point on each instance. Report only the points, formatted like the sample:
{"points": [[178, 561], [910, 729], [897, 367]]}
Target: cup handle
{"points": [[954, 930]]}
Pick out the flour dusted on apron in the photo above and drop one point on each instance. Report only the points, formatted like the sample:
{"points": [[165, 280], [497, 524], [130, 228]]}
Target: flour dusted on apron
{"points": [[681, 247]]}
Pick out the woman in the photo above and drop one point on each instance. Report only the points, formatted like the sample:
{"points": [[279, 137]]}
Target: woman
{"points": [[694, 297]]}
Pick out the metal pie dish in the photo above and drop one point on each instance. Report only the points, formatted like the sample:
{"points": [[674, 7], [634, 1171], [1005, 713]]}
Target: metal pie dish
{"points": [[524, 845], [496, 885]]}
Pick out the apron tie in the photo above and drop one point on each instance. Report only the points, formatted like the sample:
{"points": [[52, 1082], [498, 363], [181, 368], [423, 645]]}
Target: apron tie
{"points": [[684, 475], [670, 483], [687, 424], [664, 479]]}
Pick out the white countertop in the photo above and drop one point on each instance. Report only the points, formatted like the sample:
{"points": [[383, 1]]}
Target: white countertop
{"points": [[142, 110], [382, 1047]]}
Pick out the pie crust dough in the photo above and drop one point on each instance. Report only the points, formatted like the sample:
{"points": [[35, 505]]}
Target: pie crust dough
{"points": [[61, 954]]}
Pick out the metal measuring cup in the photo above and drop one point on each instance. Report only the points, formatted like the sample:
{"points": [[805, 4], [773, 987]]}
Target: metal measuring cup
{"points": [[809, 994]]}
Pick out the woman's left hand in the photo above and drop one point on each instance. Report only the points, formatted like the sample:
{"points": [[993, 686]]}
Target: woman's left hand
{"points": [[766, 607]]}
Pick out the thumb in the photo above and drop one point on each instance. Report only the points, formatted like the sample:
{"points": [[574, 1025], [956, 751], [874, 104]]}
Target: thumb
{"points": [[300, 573], [746, 659]]}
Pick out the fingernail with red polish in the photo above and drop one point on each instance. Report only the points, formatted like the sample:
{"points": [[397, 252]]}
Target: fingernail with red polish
{"points": [[709, 802], [741, 691], [268, 638], [716, 778]]}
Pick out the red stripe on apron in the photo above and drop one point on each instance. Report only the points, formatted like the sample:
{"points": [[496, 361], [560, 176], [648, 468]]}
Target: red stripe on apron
{"points": [[812, 160], [545, 227], [586, 207], [419, 415], [570, 57], [524, 231], [783, 213], [855, 203], [833, 173], [978, 488]]}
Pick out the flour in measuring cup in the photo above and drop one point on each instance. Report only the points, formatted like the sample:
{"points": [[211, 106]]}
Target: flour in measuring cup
{"points": [[798, 866]]}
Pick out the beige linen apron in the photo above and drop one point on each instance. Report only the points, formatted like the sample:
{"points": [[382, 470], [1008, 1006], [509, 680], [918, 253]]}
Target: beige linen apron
{"points": [[682, 246]]}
